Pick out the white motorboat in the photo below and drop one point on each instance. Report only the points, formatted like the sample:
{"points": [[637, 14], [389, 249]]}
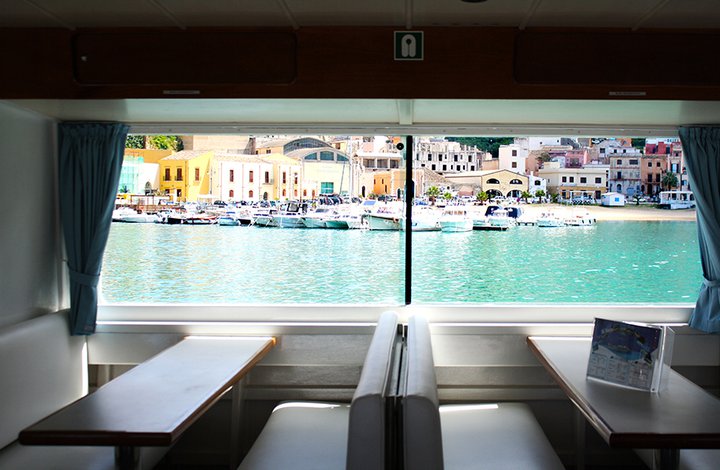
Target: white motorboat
{"points": [[580, 219], [455, 219], [424, 219], [550, 219], [386, 217], [317, 218], [500, 220], [132, 216], [229, 219]]}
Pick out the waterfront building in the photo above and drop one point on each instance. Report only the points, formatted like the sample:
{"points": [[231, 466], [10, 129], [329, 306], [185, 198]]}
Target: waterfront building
{"points": [[590, 180], [614, 146], [284, 181], [652, 169], [494, 182], [392, 183], [241, 177], [538, 142], [671, 152], [445, 157], [513, 158], [624, 175], [184, 175], [323, 170]]}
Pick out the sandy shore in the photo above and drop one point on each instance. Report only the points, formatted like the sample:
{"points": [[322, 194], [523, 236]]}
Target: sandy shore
{"points": [[627, 212]]}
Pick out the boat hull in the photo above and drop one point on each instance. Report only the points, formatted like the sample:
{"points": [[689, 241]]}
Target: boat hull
{"points": [[377, 222]]}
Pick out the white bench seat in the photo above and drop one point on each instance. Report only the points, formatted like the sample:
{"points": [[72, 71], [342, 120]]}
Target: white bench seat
{"points": [[333, 436], [20, 457], [42, 370], [464, 437], [690, 459], [494, 436], [302, 435]]}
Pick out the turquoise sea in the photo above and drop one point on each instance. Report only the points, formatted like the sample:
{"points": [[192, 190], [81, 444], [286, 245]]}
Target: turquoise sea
{"points": [[626, 262]]}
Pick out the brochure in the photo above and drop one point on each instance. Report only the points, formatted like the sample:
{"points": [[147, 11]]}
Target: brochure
{"points": [[628, 354]]}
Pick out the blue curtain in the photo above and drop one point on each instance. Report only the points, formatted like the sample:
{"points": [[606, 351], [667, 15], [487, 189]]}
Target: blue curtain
{"points": [[701, 146], [90, 160]]}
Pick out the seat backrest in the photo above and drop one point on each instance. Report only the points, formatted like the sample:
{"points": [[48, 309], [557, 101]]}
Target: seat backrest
{"points": [[368, 411], [422, 435], [41, 369]]}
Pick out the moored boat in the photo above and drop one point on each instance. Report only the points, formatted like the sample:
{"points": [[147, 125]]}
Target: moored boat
{"points": [[580, 219], [455, 219], [387, 217], [550, 219], [500, 220]]}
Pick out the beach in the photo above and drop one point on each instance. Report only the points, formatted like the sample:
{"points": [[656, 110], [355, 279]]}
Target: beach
{"points": [[629, 212]]}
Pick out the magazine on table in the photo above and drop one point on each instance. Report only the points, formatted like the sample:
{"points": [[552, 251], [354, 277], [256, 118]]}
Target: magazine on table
{"points": [[629, 354]]}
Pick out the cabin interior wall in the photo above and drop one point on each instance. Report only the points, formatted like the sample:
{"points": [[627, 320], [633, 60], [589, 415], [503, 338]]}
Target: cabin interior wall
{"points": [[29, 237]]}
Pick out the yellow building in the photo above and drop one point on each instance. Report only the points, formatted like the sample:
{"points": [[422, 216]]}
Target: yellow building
{"points": [[185, 175], [494, 182], [392, 182]]}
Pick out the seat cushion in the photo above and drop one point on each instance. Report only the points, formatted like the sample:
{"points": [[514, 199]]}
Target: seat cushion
{"points": [[301, 435], [690, 459], [41, 367], [19, 457], [494, 436]]}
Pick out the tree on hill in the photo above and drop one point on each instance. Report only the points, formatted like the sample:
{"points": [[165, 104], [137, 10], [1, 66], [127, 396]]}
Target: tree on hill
{"points": [[135, 141], [159, 142]]}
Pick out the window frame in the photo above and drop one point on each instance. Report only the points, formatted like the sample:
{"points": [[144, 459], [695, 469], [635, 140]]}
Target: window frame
{"points": [[207, 317]]}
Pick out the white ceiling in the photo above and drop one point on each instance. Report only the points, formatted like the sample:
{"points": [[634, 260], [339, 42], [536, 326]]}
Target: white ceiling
{"points": [[419, 116], [633, 14]]}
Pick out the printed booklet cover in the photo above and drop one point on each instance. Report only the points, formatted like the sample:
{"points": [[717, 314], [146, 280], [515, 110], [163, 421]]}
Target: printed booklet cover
{"points": [[627, 354]]}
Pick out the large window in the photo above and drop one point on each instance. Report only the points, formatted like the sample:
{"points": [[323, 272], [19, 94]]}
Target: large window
{"points": [[472, 240]]}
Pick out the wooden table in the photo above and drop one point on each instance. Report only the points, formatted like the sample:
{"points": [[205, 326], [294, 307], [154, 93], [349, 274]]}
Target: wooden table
{"points": [[156, 401], [680, 416]]}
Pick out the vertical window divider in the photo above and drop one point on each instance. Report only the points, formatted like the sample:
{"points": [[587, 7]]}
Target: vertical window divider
{"points": [[409, 195]]}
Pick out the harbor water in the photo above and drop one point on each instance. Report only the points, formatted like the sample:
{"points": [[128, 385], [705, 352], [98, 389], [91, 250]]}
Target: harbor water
{"points": [[610, 262]]}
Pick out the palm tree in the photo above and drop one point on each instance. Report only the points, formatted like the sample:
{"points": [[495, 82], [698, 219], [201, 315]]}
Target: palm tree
{"points": [[669, 180], [482, 196], [525, 195], [433, 192]]}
